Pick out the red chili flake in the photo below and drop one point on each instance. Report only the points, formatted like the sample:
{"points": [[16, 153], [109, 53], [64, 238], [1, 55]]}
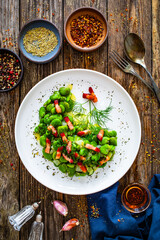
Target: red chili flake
{"points": [[11, 164], [1, 161], [52, 14], [126, 10], [86, 30], [122, 14], [38, 9], [111, 14], [116, 29], [118, 220], [6, 39], [44, 18]]}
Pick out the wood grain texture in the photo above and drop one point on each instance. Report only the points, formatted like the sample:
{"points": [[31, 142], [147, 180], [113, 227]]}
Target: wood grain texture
{"points": [[18, 187], [9, 175]]}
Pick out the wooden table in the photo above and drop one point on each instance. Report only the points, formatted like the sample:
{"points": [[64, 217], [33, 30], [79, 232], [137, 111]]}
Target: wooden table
{"points": [[18, 187]]}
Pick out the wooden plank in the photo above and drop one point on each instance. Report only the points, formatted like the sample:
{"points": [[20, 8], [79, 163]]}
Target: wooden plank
{"points": [[9, 175], [125, 17], [30, 189], [96, 60], [156, 76]]}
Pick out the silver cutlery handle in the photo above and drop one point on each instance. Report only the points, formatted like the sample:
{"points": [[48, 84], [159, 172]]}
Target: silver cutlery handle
{"points": [[147, 84], [155, 87]]}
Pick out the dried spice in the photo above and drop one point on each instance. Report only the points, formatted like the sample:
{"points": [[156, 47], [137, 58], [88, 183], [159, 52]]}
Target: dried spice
{"points": [[40, 41], [86, 30], [10, 71]]}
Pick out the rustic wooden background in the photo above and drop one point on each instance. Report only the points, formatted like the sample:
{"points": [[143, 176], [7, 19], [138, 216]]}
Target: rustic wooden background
{"points": [[17, 187]]}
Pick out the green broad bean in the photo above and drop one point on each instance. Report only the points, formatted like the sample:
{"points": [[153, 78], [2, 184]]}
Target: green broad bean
{"points": [[56, 96], [63, 99], [56, 116], [56, 123], [71, 132], [70, 171], [46, 155], [64, 91], [113, 141], [112, 147], [48, 133], [56, 162], [47, 102], [90, 170], [56, 144], [96, 157], [49, 107], [62, 108], [42, 128], [62, 129], [66, 105], [70, 138], [70, 165], [46, 118], [78, 174], [110, 133], [71, 105], [94, 144], [54, 155], [83, 152], [105, 140], [63, 167], [42, 112], [53, 110], [36, 130], [42, 120], [62, 160], [42, 140], [105, 149]]}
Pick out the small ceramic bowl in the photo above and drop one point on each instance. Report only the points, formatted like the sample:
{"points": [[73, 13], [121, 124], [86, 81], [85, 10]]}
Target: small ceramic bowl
{"points": [[35, 24], [136, 198], [83, 11], [4, 50]]}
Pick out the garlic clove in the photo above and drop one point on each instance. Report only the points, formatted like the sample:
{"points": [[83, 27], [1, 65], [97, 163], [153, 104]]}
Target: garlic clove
{"points": [[61, 207], [70, 224]]}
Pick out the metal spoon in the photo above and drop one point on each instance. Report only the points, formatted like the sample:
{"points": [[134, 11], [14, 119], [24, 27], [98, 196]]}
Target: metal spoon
{"points": [[135, 51]]}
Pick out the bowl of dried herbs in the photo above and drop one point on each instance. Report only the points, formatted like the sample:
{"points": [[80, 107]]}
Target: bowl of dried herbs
{"points": [[40, 41]]}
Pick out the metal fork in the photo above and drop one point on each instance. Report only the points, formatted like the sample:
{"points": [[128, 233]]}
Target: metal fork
{"points": [[126, 67]]}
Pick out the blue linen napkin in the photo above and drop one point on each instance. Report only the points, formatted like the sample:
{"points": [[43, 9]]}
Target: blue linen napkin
{"points": [[110, 220]]}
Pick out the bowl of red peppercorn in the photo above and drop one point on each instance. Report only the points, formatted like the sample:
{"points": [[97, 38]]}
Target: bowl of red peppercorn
{"points": [[86, 29], [11, 70]]}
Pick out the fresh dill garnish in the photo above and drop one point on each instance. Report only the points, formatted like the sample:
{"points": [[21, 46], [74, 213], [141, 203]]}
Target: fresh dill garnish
{"points": [[78, 107], [100, 116]]}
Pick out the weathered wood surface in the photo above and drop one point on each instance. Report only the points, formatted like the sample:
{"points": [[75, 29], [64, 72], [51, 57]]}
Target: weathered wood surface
{"points": [[18, 187]]}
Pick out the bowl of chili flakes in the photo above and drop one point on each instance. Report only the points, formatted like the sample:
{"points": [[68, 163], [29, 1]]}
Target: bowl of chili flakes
{"points": [[86, 29]]}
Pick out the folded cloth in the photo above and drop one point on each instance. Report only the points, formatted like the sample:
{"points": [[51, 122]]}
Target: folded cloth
{"points": [[110, 220]]}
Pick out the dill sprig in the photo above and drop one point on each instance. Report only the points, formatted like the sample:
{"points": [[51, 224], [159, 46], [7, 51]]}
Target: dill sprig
{"points": [[100, 116], [78, 107]]}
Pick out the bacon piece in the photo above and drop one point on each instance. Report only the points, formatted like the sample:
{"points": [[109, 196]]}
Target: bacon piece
{"points": [[88, 96], [76, 155], [68, 148], [93, 94], [82, 158], [91, 147], [54, 131], [84, 133], [59, 151], [82, 167], [70, 125], [100, 135], [70, 160], [64, 139], [48, 146], [104, 160], [57, 107]]}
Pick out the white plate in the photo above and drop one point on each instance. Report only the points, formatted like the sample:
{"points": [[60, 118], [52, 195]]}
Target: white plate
{"points": [[125, 120]]}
